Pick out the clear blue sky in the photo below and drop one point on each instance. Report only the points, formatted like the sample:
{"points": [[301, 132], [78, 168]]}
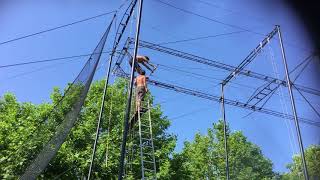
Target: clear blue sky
{"points": [[161, 23]]}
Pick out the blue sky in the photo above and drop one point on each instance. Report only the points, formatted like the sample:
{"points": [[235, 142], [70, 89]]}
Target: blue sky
{"points": [[161, 23]]}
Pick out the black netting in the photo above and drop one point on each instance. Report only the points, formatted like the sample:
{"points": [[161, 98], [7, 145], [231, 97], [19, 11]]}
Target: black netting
{"points": [[66, 111]]}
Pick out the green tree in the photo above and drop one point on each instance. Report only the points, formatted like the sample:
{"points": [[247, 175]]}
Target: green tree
{"points": [[312, 155], [204, 158], [19, 122], [25, 128]]}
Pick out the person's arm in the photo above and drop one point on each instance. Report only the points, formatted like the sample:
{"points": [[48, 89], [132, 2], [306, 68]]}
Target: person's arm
{"points": [[145, 59], [139, 58]]}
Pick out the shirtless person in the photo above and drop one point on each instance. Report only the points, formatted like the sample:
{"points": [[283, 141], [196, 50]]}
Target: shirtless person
{"points": [[144, 60], [141, 88]]}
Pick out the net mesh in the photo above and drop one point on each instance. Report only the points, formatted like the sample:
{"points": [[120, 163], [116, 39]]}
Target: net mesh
{"points": [[67, 111]]}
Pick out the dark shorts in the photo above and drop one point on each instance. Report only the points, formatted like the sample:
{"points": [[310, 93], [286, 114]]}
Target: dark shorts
{"points": [[141, 91]]}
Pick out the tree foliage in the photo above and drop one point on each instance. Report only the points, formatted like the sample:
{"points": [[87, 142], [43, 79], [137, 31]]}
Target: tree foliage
{"points": [[26, 127], [204, 158], [312, 156]]}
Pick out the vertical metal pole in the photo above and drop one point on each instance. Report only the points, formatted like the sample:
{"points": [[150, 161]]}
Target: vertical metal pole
{"points": [[100, 116], [101, 110], [128, 108], [305, 170], [225, 131]]}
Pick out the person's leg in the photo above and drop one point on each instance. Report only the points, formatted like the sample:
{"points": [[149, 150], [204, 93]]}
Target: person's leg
{"points": [[137, 98], [138, 69], [140, 92], [143, 93]]}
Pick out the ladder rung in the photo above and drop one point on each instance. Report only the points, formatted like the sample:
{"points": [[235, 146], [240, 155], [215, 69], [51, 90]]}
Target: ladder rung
{"points": [[148, 154], [144, 132], [146, 139], [261, 96], [145, 125], [145, 136], [143, 110], [144, 145], [149, 169], [144, 106], [148, 161]]}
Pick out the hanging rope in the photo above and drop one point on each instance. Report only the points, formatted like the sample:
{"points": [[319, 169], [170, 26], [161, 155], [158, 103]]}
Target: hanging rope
{"points": [[108, 129], [284, 107]]}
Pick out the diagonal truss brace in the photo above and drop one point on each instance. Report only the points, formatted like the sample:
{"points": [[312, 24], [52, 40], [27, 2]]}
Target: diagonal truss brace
{"points": [[253, 54]]}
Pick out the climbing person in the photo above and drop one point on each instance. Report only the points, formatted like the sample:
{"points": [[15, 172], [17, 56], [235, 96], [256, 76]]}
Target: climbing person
{"points": [[141, 88], [145, 61], [136, 66]]}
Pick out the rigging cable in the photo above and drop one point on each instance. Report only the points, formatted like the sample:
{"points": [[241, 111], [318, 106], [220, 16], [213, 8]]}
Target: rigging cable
{"points": [[223, 23], [49, 60], [84, 55], [314, 109], [201, 37], [55, 28], [207, 18], [108, 128], [284, 107], [306, 60], [257, 19], [37, 70], [61, 58]]}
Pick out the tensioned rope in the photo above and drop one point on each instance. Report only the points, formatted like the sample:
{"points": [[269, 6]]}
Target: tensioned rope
{"points": [[109, 129], [221, 22], [55, 28], [109, 50], [284, 107]]}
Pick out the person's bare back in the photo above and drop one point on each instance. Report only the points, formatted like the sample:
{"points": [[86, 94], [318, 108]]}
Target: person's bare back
{"points": [[141, 80], [142, 59], [141, 88]]}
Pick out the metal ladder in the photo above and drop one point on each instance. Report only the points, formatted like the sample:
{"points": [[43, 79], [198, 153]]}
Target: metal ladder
{"points": [[141, 139], [262, 92]]}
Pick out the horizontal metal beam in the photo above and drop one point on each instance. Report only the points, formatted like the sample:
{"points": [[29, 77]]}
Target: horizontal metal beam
{"points": [[220, 65], [218, 99]]}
